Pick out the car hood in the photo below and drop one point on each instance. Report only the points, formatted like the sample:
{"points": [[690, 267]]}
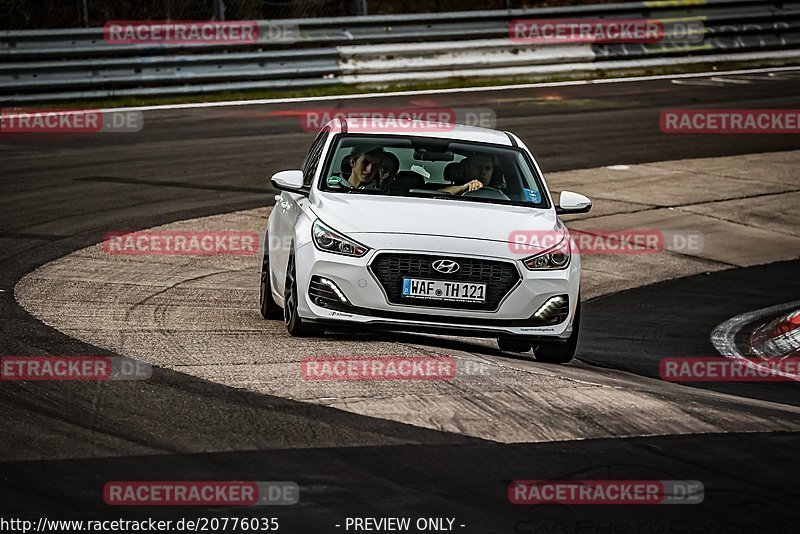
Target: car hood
{"points": [[354, 214]]}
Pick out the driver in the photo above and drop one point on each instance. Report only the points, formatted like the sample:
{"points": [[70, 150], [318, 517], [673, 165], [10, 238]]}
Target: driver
{"points": [[478, 171]]}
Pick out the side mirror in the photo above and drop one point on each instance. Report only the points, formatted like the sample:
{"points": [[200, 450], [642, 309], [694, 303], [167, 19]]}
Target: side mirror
{"points": [[569, 202], [287, 180]]}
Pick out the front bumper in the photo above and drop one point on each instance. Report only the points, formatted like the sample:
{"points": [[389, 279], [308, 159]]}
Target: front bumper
{"points": [[368, 304]]}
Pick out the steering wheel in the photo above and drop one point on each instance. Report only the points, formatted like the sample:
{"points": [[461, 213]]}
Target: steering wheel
{"points": [[493, 192]]}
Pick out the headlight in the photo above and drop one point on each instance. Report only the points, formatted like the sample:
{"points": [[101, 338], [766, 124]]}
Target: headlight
{"points": [[555, 257], [329, 240]]}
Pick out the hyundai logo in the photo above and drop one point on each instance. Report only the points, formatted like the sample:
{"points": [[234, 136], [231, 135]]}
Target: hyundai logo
{"points": [[446, 266]]}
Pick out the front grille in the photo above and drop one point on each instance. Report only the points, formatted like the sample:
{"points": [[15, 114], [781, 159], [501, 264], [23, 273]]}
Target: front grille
{"points": [[499, 276]]}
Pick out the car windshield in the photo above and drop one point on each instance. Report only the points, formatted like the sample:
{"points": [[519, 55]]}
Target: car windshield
{"points": [[433, 168]]}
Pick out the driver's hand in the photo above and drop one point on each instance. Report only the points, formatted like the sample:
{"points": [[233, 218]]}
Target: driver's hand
{"points": [[474, 185]]}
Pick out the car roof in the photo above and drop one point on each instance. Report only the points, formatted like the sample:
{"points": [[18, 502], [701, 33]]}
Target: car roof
{"points": [[460, 132]]}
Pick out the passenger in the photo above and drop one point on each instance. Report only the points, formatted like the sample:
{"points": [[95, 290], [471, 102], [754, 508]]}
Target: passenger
{"points": [[478, 171], [364, 162], [388, 170]]}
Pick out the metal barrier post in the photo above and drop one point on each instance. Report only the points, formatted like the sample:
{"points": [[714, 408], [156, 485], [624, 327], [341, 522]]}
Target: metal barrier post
{"points": [[219, 9], [85, 14]]}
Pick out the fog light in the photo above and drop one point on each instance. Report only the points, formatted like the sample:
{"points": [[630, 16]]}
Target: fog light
{"points": [[331, 284], [552, 304]]}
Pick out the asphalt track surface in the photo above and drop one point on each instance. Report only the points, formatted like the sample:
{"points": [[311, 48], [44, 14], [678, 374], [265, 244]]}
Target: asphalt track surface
{"points": [[62, 194]]}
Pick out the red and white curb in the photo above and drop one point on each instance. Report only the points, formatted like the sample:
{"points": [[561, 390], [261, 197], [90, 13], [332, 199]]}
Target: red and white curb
{"points": [[779, 339]]}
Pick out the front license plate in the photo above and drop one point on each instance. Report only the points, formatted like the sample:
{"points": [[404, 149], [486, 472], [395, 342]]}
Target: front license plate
{"points": [[441, 290]]}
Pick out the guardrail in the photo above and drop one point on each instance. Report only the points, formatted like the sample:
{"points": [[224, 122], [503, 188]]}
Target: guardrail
{"points": [[53, 65]]}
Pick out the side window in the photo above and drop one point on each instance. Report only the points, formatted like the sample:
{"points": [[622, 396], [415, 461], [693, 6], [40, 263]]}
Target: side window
{"points": [[311, 162]]}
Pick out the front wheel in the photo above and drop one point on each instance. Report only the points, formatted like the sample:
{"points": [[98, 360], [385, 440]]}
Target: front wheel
{"points": [[269, 310], [294, 323], [560, 351]]}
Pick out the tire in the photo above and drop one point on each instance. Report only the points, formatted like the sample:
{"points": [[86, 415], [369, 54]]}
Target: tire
{"points": [[510, 344], [294, 323], [560, 351], [269, 309]]}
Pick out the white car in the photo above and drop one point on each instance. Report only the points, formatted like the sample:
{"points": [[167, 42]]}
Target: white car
{"points": [[429, 248]]}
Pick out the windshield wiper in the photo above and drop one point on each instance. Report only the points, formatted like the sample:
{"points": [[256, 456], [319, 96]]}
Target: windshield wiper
{"points": [[430, 193]]}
